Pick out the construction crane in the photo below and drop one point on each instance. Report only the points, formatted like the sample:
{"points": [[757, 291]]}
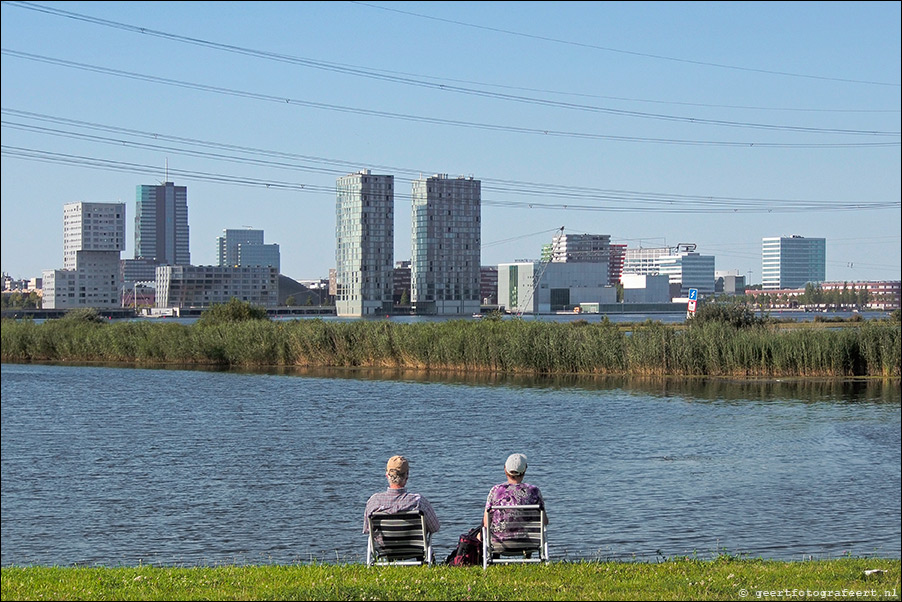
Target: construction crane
{"points": [[538, 272]]}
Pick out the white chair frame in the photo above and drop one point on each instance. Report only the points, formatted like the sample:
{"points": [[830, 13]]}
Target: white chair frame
{"points": [[537, 548], [404, 539]]}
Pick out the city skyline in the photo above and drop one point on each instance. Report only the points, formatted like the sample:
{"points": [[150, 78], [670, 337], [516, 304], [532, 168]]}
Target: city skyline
{"points": [[718, 124]]}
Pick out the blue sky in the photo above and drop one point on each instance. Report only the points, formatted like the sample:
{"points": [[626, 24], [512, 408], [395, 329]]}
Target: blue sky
{"points": [[714, 123]]}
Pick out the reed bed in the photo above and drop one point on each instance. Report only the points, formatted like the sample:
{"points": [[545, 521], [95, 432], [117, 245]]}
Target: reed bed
{"points": [[870, 348]]}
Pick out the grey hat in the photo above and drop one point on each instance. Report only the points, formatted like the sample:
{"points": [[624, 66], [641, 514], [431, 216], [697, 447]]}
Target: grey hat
{"points": [[515, 465]]}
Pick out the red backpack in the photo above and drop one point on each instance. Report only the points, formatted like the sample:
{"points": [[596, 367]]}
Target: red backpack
{"points": [[469, 550]]}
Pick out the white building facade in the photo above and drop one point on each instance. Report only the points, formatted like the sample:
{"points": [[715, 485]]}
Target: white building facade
{"points": [[645, 260], [540, 287], [93, 238], [644, 288]]}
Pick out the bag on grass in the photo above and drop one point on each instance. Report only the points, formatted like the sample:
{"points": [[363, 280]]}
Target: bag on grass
{"points": [[469, 550]]}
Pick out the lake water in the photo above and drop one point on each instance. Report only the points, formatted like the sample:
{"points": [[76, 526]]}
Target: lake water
{"points": [[120, 466]]}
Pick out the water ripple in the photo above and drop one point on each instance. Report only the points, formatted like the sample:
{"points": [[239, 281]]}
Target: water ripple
{"points": [[117, 466]]}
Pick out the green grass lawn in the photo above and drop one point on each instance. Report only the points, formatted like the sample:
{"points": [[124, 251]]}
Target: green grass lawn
{"points": [[724, 578]]}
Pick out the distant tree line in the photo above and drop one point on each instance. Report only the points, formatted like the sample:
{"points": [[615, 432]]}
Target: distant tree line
{"points": [[19, 300], [813, 296]]}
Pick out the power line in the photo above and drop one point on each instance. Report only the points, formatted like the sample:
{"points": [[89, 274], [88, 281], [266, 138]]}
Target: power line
{"points": [[629, 206], [574, 196], [629, 52], [394, 76], [110, 165], [475, 125]]}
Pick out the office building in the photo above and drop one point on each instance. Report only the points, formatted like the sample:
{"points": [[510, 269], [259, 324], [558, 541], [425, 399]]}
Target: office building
{"points": [[245, 248], [544, 287], [645, 260], [581, 248], [206, 285], [446, 245], [488, 285], [688, 270], [93, 238], [401, 284], [615, 267], [161, 224], [644, 288], [792, 262], [729, 282], [364, 244]]}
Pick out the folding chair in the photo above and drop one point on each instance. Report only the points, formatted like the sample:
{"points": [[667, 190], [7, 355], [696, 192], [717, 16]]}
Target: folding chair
{"points": [[522, 540], [398, 539]]}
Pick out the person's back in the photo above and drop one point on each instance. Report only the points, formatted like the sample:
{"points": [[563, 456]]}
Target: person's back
{"points": [[507, 525], [397, 499]]}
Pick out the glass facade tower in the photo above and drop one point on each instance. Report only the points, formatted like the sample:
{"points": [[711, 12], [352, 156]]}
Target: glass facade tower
{"points": [[364, 249], [161, 224], [792, 262], [446, 245]]}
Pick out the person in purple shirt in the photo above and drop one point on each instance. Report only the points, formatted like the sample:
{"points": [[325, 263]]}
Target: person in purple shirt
{"points": [[397, 499], [514, 492]]}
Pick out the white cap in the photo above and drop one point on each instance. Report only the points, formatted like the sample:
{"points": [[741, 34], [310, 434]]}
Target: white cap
{"points": [[515, 465]]}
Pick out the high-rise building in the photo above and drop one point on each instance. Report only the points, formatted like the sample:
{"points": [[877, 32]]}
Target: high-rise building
{"points": [[791, 262], [237, 248], [615, 267], [364, 244], [581, 248], [227, 244], [161, 224], [446, 245], [93, 237], [688, 270]]}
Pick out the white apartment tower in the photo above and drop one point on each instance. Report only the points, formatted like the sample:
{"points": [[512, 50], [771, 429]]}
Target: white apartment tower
{"points": [[364, 249], [93, 238], [446, 245]]}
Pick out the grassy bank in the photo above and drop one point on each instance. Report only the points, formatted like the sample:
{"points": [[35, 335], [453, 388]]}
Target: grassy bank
{"points": [[714, 348], [685, 579]]}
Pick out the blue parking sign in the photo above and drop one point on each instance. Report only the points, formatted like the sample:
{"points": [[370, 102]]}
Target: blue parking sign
{"points": [[693, 294]]}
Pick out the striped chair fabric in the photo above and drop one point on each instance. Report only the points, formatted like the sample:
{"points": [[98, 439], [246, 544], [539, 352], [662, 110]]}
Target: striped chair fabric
{"points": [[398, 539]]}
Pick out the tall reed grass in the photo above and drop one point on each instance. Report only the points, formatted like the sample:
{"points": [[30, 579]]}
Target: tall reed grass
{"points": [[871, 348]]}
